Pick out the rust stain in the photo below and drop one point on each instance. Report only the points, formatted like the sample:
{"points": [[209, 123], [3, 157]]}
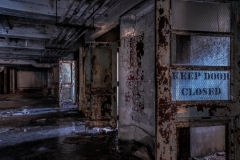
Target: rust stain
{"points": [[162, 31], [165, 109], [99, 90], [181, 110], [106, 107], [134, 97], [212, 108]]}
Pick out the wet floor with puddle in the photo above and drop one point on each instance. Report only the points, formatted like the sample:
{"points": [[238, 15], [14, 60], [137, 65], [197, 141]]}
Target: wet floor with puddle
{"points": [[33, 127], [61, 136]]}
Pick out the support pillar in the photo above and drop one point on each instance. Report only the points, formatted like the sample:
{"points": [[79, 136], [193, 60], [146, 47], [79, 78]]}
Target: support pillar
{"points": [[5, 80]]}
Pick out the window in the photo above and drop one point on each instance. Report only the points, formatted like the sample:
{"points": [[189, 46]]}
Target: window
{"points": [[200, 57]]}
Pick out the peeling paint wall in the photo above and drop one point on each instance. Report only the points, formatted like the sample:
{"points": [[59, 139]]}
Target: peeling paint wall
{"points": [[174, 115], [98, 84], [137, 77]]}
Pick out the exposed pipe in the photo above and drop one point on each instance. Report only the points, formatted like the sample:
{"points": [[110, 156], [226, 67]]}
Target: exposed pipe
{"points": [[87, 10], [67, 9], [81, 32], [76, 11], [139, 4], [62, 33], [94, 13], [108, 10], [83, 14], [98, 9]]}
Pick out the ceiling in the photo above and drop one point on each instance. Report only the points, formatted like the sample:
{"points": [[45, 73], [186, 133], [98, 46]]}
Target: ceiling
{"points": [[46, 30]]}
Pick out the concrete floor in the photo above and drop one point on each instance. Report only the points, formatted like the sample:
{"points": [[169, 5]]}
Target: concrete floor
{"points": [[62, 138], [27, 100], [33, 127]]}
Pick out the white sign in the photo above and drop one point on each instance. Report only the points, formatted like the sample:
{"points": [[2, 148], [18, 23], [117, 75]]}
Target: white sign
{"points": [[193, 85]]}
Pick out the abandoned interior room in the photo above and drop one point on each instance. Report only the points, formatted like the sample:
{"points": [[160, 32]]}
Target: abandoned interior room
{"points": [[120, 79]]}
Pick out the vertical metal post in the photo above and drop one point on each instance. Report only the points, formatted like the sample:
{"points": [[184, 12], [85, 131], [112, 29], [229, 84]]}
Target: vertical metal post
{"points": [[5, 80], [163, 103], [13, 80]]}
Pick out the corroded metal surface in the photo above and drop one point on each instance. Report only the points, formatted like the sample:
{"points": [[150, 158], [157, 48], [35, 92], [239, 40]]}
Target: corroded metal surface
{"points": [[67, 93], [173, 115], [100, 86], [164, 109]]}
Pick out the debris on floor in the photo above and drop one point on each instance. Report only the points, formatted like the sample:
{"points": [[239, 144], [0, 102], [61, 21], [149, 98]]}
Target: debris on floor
{"points": [[33, 127], [143, 153]]}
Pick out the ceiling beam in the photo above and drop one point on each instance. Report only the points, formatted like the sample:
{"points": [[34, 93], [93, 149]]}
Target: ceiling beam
{"points": [[20, 52], [111, 18], [7, 40], [44, 9], [24, 62], [23, 44], [36, 32]]}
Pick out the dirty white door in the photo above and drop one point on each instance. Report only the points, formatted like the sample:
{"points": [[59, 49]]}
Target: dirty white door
{"points": [[67, 91], [103, 99]]}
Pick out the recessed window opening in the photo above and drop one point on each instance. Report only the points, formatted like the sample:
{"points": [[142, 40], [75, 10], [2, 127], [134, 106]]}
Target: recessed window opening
{"points": [[202, 143]]}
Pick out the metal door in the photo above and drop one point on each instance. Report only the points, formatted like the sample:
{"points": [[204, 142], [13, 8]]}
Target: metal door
{"points": [[103, 106], [67, 93]]}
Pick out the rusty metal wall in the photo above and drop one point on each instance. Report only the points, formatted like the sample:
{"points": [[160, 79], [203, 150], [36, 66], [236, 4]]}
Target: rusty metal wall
{"points": [[137, 77], [98, 85], [172, 115]]}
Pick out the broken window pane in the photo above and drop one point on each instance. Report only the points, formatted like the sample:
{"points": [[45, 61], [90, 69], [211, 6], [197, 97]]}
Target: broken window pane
{"points": [[200, 50], [199, 85]]}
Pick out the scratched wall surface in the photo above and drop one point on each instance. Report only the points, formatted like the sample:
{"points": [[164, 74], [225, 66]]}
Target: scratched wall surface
{"points": [[137, 78], [172, 115]]}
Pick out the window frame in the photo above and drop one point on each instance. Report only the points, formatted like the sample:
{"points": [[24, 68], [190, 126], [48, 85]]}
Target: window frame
{"points": [[181, 67]]}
